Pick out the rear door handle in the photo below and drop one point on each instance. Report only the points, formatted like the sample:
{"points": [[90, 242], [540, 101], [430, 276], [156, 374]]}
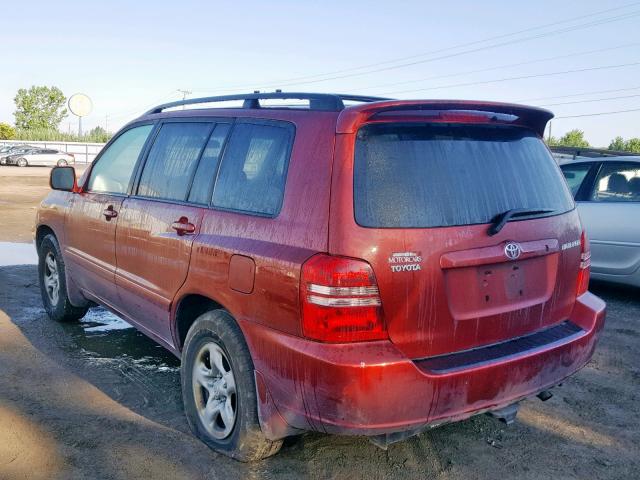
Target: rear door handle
{"points": [[109, 213], [183, 227]]}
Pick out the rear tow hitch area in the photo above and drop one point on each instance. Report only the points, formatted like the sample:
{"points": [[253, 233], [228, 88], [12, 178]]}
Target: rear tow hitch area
{"points": [[383, 441], [506, 414], [544, 395]]}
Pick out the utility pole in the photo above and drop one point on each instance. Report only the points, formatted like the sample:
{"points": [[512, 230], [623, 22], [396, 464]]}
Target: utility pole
{"points": [[184, 94], [106, 123], [549, 139]]}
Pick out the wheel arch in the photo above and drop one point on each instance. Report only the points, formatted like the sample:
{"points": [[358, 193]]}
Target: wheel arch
{"points": [[41, 232], [187, 309]]}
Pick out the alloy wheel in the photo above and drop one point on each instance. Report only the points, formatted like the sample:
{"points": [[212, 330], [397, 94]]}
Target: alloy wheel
{"points": [[51, 278], [214, 390]]}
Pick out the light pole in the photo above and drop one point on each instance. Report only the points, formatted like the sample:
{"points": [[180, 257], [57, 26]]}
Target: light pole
{"points": [[81, 106], [184, 95]]}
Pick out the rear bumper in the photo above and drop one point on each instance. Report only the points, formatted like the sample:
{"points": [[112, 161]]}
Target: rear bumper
{"points": [[373, 389]]}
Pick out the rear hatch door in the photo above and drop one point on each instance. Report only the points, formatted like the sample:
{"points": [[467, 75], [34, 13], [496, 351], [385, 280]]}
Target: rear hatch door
{"points": [[423, 198]]}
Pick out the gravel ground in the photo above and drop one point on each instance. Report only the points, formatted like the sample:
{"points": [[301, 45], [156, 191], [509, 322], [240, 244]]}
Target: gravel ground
{"points": [[98, 400]]}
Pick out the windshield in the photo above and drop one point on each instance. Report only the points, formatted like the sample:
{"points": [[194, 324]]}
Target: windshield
{"points": [[440, 175]]}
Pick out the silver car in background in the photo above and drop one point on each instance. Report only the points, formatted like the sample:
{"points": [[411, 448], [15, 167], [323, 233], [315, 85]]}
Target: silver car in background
{"points": [[41, 156], [607, 192], [9, 150]]}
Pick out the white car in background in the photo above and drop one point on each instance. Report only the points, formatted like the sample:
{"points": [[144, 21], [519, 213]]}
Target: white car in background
{"points": [[42, 156], [607, 192]]}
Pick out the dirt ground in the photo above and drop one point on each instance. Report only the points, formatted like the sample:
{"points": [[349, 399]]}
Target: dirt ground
{"points": [[21, 191], [90, 400]]}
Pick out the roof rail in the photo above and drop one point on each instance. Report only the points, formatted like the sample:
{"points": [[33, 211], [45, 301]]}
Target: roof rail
{"points": [[589, 152], [317, 101]]}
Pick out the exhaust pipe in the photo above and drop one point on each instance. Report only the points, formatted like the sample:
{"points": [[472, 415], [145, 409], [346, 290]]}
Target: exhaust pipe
{"points": [[506, 414]]}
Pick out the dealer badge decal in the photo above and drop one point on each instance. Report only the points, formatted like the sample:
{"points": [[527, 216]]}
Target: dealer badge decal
{"points": [[405, 261]]}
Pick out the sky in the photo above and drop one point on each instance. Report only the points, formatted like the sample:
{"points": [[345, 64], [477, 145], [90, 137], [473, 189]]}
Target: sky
{"points": [[573, 57]]}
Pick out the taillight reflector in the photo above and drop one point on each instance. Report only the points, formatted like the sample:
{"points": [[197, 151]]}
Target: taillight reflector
{"points": [[340, 301], [585, 264]]}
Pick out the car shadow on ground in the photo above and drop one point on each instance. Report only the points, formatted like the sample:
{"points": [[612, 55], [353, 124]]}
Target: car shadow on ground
{"points": [[108, 403]]}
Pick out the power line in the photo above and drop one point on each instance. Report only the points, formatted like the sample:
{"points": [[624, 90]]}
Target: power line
{"points": [[184, 95], [598, 114], [510, 65], [593, 92], [521, 77], [283, 83], [301, 80], [444, 57], [144, 107], [589, 101]]}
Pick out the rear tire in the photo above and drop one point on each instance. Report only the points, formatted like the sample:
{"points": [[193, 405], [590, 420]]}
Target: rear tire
{"points": [[22, 162], [53, 283], [208, 391], [62, 162]]}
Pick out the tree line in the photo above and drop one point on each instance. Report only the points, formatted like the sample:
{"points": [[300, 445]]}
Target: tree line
{"points": [[575, 138], [40, 109], [39, 112]]}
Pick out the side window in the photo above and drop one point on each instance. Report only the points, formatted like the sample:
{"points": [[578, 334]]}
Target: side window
{"points": [[112, 172], [617, 182], [254, 169], [575, 175], [208, 166], [172, 160]]}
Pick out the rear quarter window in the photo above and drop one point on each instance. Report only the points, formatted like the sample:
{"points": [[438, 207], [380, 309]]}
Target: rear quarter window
{"points": [[441, 175], [575, 174], [253, 169]]}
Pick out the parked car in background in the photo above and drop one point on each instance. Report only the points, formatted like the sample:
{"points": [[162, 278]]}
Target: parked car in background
{"points": [[41, 157], [374, 269], [607, 191], [8, 150]]}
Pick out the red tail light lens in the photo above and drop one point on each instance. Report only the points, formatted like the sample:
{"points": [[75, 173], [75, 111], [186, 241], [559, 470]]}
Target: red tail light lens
{"points": [[585, 264], [340, 300]]}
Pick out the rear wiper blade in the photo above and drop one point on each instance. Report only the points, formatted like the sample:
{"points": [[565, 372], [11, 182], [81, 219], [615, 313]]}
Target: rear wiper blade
{"points": [[499, 221]]}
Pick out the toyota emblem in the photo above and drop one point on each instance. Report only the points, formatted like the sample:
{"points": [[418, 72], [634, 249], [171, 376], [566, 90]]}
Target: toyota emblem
{"points": [[512, 250]]}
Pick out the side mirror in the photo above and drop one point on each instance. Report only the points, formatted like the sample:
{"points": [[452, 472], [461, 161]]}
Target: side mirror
{"points": [[569, 175], [63, 178]]}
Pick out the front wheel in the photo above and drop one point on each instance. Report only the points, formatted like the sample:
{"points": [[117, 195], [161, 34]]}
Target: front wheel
{"points": [[22, 162], [218, 389], [53, 283]]}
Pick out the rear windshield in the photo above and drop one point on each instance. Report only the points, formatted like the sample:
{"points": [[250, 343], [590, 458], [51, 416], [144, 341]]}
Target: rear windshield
{"points": [[440, 175]]}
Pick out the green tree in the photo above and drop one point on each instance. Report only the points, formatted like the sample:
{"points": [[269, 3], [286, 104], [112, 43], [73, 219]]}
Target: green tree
{"points": [[617, 143], [7, 132], [39, 107], [98, 134], [632, 145], [573, 138]]}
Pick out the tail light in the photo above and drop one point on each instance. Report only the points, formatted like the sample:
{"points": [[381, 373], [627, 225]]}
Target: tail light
{"points": [[340, 301], [585, 264]]}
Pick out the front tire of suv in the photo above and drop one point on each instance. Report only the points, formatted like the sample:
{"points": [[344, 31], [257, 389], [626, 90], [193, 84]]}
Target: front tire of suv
{"points": [[53, 283], [218, 389], [22, 162]]}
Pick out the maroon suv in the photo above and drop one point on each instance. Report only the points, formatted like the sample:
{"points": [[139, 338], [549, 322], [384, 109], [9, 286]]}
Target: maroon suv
{"points": [[342, 264]]}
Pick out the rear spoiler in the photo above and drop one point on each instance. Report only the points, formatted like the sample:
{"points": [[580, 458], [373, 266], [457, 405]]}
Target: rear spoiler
{"points": [[351, 118]]}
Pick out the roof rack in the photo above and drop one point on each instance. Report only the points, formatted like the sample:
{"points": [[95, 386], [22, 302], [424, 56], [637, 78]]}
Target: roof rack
{"points": [[317, 101], [589, 152]]}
